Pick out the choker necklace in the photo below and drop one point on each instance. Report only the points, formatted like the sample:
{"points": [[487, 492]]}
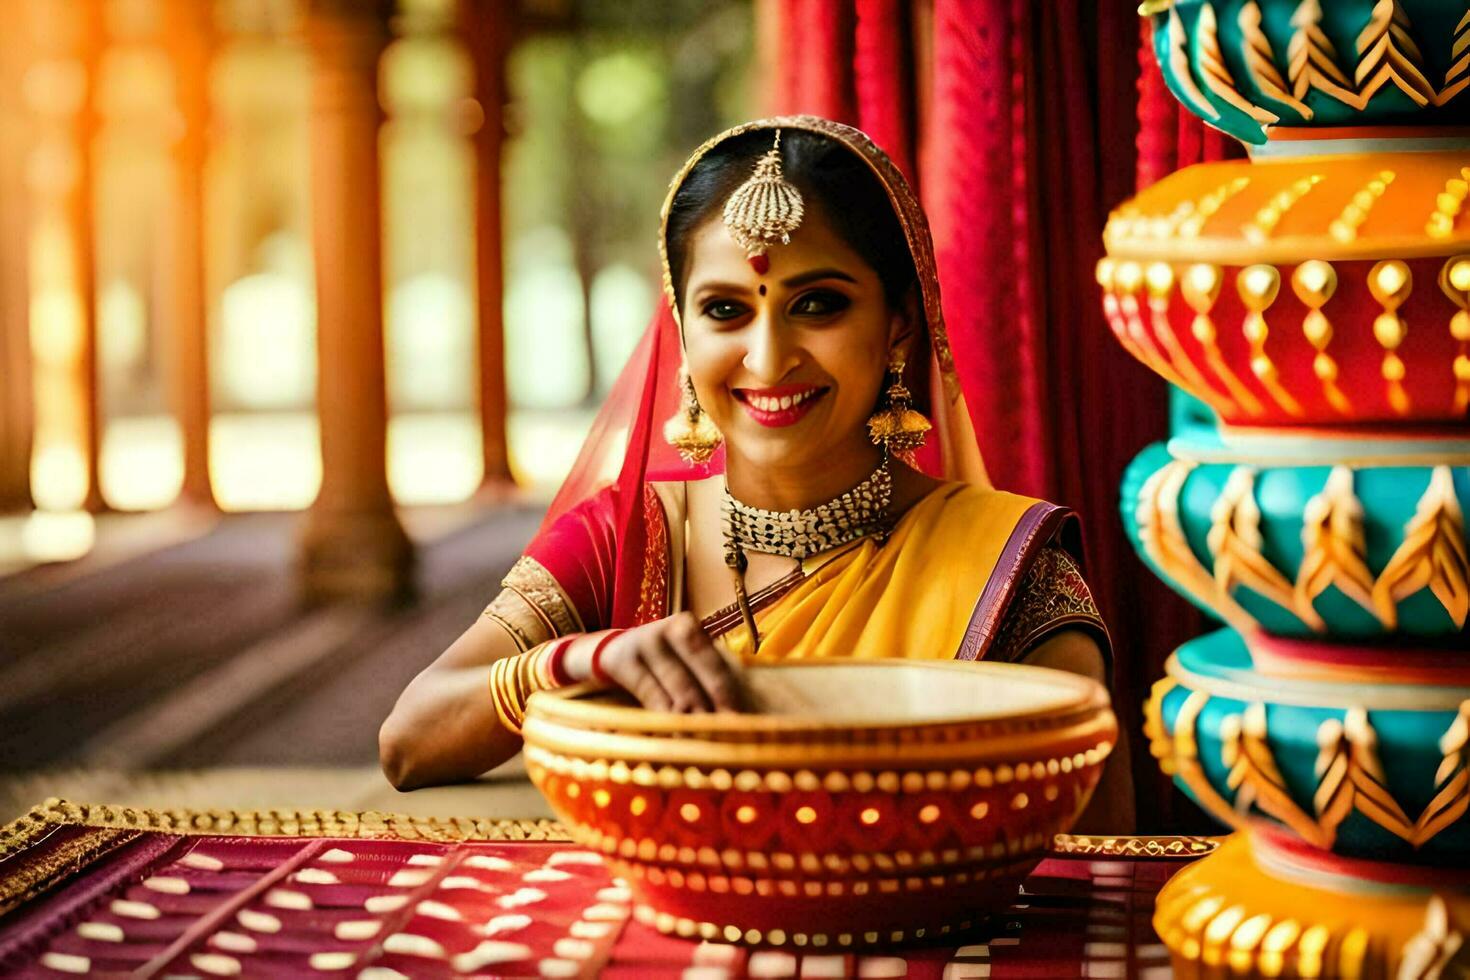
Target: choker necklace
{"points": [[859, 513]]}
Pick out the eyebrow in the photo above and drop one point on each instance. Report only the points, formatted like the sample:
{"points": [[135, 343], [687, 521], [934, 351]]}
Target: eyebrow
{"points": [[800, 279], [723, 287], [814, 275]]}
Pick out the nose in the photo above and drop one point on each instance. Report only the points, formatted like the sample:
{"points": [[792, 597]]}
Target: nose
{"points": [[769, 354]]}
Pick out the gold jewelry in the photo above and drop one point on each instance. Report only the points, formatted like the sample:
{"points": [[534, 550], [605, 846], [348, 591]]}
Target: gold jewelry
{"points": [[897, 426], [514, 679], [766, 209], [859, 513], [689, 430]]}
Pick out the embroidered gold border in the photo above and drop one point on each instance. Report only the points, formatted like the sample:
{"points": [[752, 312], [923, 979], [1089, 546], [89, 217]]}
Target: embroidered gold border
{"points": [[515, 614], [653, 591], [1090, 845], [541, 589], [20, 833], [366, 825], [1046, 607], [31, 878]]}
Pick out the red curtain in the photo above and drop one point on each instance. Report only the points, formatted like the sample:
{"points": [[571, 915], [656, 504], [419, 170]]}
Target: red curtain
{"points": [[1169, 137], [1019, 119]]}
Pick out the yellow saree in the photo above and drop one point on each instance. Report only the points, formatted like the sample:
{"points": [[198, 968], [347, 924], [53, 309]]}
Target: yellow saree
{"points": [[926, 592], [911, 597], [968, 573]]}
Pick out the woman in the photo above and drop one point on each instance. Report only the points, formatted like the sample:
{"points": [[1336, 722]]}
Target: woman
{"points": [[803, 514]]}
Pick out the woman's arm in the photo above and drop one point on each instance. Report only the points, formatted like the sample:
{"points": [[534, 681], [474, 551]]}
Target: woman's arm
{"points": [[444, 728], [1111, 810]]}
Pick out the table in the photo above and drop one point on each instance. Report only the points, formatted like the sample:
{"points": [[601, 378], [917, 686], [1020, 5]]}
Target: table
{"points": [[96, 889]]}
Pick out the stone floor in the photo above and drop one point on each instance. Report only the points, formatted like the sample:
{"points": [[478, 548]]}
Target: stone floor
{"points": [[191, 675]]}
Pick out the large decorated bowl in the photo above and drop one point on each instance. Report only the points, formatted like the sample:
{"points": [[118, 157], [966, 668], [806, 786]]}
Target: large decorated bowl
{"points": [[868, 801]]}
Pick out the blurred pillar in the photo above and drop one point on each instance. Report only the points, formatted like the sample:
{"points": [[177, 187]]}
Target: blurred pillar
{"points": [[189, 37], [353, 545], [921, 29], [767, 90], [487, 28], [60, 90], [17, 406]]}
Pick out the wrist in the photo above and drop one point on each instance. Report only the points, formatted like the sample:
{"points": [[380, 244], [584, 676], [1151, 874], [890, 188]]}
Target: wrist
{"points": [[581, 662], [556, 662], [577, 661], [599, 674]]}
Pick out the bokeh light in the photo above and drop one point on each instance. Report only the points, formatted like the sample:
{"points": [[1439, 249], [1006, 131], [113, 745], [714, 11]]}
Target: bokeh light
{"points": [[589, 118]]}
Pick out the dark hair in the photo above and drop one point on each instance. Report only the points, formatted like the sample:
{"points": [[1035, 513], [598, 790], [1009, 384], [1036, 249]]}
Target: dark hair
{"points": [[831, 177]]}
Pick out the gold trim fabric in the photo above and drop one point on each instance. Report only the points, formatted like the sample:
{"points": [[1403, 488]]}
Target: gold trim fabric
{"points": [[22, 832], [1133, 848], [539, 588], [273, 823], [518, 617], [30, 878]]}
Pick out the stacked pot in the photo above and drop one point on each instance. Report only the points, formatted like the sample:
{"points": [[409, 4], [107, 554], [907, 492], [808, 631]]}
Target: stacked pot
{"points": [[1317, 298]]}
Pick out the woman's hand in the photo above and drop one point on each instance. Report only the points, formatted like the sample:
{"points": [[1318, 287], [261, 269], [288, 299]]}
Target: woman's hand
{"points": [[668, 665]]}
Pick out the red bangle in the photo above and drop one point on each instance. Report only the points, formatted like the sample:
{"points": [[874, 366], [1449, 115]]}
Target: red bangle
{"points": [[598, 674], [556, 663]]}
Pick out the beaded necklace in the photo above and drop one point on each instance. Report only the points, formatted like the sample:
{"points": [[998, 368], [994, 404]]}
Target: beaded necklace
{"points": [[858, 513]]}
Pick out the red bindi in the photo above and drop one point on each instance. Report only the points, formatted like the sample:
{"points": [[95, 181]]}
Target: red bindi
{"points": [[760, 263]]}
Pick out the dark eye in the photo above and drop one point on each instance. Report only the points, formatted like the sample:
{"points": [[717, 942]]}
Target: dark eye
{"points": [[723, 309], [820, 302]]}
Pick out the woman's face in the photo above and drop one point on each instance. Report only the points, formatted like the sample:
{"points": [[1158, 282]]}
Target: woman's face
{"points": [[788, 364]]}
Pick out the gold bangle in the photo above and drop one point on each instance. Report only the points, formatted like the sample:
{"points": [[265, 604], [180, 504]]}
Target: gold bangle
{"points": [[514, 679], [503, 696]]}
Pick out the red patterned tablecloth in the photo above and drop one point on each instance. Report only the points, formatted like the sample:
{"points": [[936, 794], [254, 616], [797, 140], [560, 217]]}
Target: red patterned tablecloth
{"points": [[90, 891]]}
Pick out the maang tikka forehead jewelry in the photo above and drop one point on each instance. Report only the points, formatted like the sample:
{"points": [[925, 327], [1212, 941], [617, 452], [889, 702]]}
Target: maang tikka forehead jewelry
{"points": [[764, 210]]}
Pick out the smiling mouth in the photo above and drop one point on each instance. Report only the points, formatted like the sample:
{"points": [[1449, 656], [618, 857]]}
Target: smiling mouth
{"points": [[777, 407]]}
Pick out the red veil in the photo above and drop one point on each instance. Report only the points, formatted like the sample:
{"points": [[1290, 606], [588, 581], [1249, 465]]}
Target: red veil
{"points": [[625, 449]]}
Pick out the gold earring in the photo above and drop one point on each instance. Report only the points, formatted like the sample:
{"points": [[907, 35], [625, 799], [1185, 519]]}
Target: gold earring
{"points": [[897, 426], [690, 431]]}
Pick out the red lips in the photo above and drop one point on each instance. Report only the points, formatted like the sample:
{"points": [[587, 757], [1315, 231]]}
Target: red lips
{"points": [[780, 406]]}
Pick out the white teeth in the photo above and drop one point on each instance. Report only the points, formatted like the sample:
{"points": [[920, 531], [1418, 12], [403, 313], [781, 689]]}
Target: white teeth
{"points": [[767, 404]]}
